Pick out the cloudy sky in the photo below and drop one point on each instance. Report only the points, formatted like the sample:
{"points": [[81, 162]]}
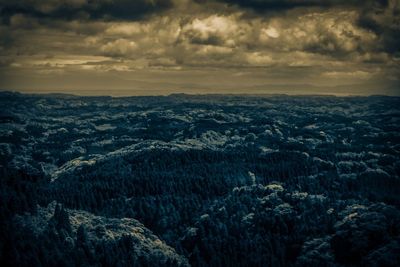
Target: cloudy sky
{"points": [[140, 47]]}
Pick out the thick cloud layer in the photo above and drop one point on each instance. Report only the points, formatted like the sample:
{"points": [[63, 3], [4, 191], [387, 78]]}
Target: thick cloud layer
{"points": [[384, 20], [84, 9], [262, 5], [286, 4], [207, 44]]}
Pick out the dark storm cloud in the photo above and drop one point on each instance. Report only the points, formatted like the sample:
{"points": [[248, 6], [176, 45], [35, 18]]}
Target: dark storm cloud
{"points": [[384, 20], [5, 37], [380, 16], [87, 9], [264, 5]]}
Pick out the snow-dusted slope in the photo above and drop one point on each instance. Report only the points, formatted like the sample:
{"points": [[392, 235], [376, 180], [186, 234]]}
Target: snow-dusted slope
{"points": [[136, 149], [101, 229]]}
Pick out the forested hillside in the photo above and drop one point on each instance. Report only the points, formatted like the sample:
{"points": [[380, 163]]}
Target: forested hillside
{"points": [[212, 180]]}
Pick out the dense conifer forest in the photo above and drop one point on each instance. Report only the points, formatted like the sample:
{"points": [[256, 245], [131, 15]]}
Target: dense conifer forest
{"points": [[207, 180]]}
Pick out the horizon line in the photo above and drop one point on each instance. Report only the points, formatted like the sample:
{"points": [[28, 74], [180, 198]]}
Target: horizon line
{"points": [[55, 93]]}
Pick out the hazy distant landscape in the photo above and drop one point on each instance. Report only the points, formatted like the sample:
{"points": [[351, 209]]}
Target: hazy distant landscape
{"points": [[200, 180]]}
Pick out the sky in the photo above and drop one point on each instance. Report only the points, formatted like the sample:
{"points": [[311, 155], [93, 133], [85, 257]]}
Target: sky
{"points": [[152, 47]]}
